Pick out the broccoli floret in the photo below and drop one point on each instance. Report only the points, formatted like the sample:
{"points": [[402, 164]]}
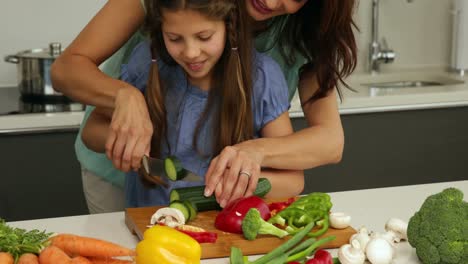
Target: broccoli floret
{"points": [[439, 230], [253, 224]]}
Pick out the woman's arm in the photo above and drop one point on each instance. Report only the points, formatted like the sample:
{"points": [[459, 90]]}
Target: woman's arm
{"points": [[319, 144], [285, 183], [96, 135], [75, 72]]}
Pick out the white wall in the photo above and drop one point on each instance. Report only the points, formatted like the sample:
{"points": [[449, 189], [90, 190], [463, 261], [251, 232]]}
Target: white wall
{"points": [[419, 32], [27, 24]]}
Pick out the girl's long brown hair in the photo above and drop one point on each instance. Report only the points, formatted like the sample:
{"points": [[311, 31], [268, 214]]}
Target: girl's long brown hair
{"points": [[322, 32], [230, 95]]}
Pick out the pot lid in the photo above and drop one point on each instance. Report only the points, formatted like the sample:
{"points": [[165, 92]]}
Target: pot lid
{"points": [[54, 50]]}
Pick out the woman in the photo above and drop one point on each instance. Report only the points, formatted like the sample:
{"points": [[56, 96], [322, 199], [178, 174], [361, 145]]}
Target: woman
{"points": [[313, 41]]}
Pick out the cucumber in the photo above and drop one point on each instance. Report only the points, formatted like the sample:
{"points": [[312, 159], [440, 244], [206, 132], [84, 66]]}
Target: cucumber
{"points": [[192, 208], [174, 169], [202, 203], [182, 207]]}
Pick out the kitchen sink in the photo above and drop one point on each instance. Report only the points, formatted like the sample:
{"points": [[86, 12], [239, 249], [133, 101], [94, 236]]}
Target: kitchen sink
{"points": [[413, 83]]}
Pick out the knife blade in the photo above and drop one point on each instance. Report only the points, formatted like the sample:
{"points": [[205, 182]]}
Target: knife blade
{"points": [[156, 167]]}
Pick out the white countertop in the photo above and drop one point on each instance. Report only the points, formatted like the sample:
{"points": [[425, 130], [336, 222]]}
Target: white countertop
{"points": [[370, 100], [370, 208], [40, 122], [363, 100]]}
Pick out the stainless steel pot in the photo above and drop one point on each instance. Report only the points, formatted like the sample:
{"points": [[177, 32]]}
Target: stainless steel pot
{"points": [[33, 72]]}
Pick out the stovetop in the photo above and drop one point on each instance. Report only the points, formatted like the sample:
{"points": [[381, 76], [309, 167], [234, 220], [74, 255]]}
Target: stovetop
{"points": [[12, 103]]}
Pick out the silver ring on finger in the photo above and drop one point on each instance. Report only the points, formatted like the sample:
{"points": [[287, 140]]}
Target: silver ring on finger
{"points": [[245, 173]]}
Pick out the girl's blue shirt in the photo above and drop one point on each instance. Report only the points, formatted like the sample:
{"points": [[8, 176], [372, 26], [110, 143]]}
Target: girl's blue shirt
{"points": [[184, 105]]}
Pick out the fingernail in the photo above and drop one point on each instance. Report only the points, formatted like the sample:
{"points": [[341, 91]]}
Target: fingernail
{"points": [[207, 192], [223, 203]]}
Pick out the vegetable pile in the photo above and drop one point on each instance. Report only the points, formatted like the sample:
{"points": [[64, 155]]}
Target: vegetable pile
{"points": [[439, 230], [251, 216], [293, 217]]}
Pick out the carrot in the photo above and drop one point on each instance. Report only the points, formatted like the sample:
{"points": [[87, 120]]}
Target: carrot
{"points": [[89, 247], [6, 258], [53, 255], [28, 258], [110, 261], [80, 260]]}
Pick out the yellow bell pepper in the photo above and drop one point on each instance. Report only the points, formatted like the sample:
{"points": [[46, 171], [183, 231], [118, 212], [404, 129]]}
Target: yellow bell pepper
{"points": [[163, 244]]}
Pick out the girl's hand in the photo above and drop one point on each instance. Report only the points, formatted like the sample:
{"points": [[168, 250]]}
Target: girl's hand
{"points": [[234, 173], [130, 130]]}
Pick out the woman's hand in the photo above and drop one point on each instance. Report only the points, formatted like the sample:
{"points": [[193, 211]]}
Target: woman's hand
{"points": [[234, 172], [130, 130]]}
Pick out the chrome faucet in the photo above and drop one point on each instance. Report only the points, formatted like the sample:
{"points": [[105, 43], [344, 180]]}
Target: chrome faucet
{"points": [[378, 52]]}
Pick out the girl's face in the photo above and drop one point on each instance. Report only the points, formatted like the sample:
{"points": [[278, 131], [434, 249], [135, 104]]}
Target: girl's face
{"points": [[195, 42], [261, 10]]}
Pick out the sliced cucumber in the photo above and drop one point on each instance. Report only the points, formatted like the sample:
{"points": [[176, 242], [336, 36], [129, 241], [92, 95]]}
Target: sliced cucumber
{"points": [[202, 203], [174, 169], [192, 208], [182, 207]]}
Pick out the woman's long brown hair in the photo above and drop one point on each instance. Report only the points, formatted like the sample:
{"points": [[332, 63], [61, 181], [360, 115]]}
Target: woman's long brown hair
{"points": [[230, 97], [322, 32]]}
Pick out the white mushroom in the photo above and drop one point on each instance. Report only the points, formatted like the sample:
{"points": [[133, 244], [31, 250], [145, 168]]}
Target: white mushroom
{"points": [[397, 228], [171, 217], [362, 236], [351, 253], [379, 250], [339, 220]]}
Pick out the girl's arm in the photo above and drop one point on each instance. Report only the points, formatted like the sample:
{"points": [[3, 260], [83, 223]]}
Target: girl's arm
{"points": [[285, 183], [75, 73], [96, 131], [320, 143]]}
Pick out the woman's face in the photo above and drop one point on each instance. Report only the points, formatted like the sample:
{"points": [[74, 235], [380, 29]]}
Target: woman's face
{"points": [[261, 10], [195, 42]]}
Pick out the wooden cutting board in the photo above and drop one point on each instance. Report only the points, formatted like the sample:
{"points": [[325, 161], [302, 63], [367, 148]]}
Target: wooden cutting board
{"points": [[137, 220]]}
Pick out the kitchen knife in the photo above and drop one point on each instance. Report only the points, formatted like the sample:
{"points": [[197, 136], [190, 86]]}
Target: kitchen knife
{"points": [[157, 167]]}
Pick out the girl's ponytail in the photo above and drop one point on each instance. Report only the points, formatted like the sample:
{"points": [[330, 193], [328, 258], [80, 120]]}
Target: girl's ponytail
{"points": [[154, 95], [236, 117]]}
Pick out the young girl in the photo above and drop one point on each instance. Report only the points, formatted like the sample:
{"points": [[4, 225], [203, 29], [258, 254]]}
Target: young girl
{"points": [[206, 88]]}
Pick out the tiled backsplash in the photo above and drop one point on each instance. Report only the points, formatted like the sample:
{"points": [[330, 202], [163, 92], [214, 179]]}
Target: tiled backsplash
{"points": [[419, 32]]}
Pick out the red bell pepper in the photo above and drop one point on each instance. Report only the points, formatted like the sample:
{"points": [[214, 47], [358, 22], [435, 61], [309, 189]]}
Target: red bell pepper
{"points": [[201, 237], [321, 257], [230, 218], [198, 233], [278, 206]]}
